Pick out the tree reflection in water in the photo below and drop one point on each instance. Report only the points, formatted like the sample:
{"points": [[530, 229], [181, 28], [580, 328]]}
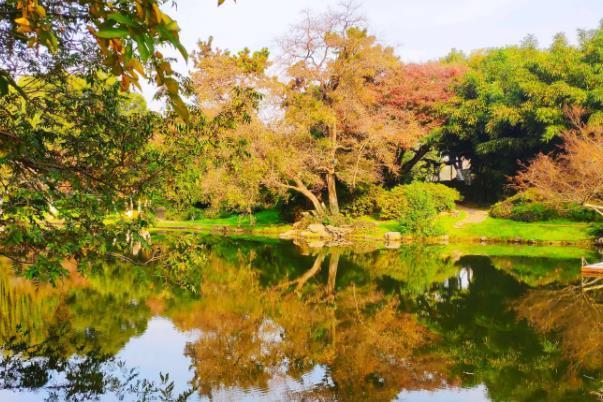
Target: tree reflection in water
{"points": [[327, 324], [252, 334], [574, 313], [61, 341]]}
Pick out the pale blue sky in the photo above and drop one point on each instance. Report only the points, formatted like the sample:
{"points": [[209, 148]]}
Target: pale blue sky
{"points": [[419, 29]]}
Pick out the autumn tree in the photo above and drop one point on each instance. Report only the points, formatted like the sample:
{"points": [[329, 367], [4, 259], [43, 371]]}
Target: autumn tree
{"points": [[574, 176], [228, 88], [413, 96], [335, 68]]}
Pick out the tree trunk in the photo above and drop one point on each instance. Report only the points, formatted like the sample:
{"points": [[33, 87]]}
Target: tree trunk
{"points": [[333, 265], [301, 188], [332, 190], [311, 272], [331, 179], [419, 154]]}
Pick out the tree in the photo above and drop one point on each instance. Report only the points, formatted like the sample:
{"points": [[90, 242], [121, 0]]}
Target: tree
{"points": [[575, 175], [75, 151], [125, 34], [335, 68], [348, 112], [71, 155], [413, 95], [510, 105], [230, 172]]}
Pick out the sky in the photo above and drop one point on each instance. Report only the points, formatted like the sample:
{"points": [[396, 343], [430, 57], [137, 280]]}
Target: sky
{"points": [[419, 30]]}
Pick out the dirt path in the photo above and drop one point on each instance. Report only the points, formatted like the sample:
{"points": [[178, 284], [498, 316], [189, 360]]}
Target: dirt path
{"points": [[473, 216]]}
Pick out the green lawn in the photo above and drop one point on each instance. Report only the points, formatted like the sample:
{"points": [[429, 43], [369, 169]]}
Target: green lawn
{"points": [[263, 220], [505, 229], [493, 229]]}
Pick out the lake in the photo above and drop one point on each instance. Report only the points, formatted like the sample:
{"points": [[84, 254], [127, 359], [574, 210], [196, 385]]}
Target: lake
{"points": [[266, 320]]}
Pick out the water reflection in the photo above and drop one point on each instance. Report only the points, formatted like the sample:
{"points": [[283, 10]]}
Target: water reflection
{"points": [[251, 334], [273, 321]]}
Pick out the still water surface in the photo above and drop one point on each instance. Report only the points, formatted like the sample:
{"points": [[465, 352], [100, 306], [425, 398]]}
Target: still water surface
{"points": [[271, 321]]}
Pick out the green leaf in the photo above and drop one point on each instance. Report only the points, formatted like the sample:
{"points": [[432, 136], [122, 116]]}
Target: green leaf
{"points": [[142, 48], [182, 51], [122, 19], [552, 132], [110, 33], [179, 106]]}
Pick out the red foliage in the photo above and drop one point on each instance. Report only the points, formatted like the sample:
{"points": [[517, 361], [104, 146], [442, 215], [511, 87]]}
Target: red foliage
{"points": [[413, 93]]}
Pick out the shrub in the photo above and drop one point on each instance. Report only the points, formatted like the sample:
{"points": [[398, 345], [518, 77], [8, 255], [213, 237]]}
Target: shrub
{"points": [[578, 213], [596, 230], [533, 212], [444, 197], [529, 207], [420, 214], [394, 204], [365, 203]]}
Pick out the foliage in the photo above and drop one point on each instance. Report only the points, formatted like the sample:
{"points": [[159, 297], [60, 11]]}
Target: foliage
{"points": [[524, 206], [596, 230], [365, 202], [334, 122], [419, 217], [510, 104], [224, 173], [126, 35], [529, 206], [575, 176], [394, 203], [71, 156], [413, 95]]}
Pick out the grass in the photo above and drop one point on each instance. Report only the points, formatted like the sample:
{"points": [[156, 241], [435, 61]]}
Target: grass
{"points": [[264, 220], [493, 229], [505, 229], [496, 229]]}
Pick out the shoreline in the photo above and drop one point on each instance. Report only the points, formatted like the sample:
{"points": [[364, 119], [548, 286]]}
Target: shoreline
{"points": [[275, 232]]}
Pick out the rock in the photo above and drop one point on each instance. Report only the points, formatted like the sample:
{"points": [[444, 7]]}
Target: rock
{"points": [[308, 234], [393, 244], [317, 228], [337, 232], [393, 236], [483, 239], [289, 235]]}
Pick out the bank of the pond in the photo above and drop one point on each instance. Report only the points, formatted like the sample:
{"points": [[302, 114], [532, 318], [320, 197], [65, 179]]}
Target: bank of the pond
{"points": [[456, 227]]}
